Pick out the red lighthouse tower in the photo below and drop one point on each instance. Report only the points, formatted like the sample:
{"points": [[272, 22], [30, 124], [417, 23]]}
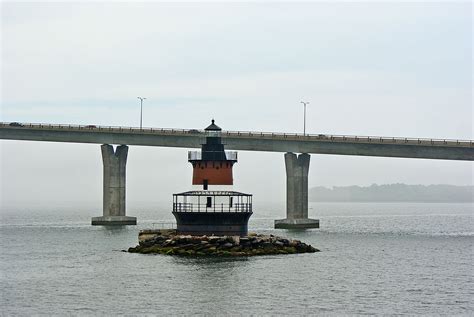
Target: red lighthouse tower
{"points": [[213, 165], [210, 211]]}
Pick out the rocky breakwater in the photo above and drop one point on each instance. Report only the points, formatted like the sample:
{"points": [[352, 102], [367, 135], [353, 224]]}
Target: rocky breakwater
{"points": [[171, 243]]}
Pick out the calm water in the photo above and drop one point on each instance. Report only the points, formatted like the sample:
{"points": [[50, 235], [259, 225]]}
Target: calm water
{"points": [[375, 259]]}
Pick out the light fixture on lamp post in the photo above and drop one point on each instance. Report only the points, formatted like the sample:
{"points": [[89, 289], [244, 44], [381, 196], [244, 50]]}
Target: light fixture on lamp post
{"points": [[304, 121], [141, 110]]}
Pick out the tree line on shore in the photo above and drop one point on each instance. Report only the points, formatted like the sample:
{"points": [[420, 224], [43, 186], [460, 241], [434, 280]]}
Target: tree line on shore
{"points": [[393, 193]]}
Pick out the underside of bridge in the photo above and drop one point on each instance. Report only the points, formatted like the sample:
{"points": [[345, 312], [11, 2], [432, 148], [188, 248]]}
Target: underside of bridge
{"points": [[114, 187], [297, 170]]}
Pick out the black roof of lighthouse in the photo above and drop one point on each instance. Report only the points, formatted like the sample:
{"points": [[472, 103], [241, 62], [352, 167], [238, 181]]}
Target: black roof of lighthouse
{"points": [[213, 127]]}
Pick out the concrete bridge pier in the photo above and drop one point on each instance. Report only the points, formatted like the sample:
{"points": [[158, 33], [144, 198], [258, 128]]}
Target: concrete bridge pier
{"points": [[114, 187], [297, 170]]}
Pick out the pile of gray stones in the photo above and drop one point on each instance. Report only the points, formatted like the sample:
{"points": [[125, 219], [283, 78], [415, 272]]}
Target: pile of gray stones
{"points": [[171, 243]]}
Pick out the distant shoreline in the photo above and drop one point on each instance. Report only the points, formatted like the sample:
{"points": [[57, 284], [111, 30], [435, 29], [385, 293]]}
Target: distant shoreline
{"points": [[394, 193]]}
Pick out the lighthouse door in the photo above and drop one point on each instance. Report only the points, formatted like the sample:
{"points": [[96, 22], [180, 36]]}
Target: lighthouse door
{"points": [[209, 202]]}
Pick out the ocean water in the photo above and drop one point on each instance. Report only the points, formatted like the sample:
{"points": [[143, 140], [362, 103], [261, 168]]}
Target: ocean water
{"points": [[376, 258]]}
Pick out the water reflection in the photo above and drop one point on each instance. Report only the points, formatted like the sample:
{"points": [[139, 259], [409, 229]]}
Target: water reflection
{"points": [[115, 230], [206, 261], [214, 282]]}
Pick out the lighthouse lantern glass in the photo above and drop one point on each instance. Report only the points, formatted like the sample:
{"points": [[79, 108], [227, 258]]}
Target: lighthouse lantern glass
{"points": [[213, 133]]}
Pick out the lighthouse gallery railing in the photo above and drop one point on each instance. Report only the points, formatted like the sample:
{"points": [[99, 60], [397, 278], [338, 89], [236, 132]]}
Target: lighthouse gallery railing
{"points": [[193, 207]]}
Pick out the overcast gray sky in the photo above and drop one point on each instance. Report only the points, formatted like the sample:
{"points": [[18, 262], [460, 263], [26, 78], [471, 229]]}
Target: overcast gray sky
{"points": [[388, 69]]}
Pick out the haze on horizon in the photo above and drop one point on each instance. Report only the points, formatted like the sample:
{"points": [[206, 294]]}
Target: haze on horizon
{"points": [[388, 69]]}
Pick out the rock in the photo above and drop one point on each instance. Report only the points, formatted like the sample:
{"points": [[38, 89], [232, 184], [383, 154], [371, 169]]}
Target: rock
{"points": [[146, 236], [183, 239], [254, 242], [145, 243], [213, 239], [293, 243], [155, 242], [312, 249], [301, 247], [211, 250], [223, 240], [181, 251]]}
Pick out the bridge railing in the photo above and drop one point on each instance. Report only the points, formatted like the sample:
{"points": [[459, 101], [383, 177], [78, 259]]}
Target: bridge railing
{"points": [[350, 138], [246, 134]]}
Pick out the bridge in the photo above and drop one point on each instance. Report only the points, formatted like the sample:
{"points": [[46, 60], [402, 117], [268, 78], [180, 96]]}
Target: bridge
{"points": [[297, 166]]}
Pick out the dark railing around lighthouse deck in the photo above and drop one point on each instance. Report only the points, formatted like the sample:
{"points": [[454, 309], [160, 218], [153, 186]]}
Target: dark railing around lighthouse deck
{"points": [[205, 201]]}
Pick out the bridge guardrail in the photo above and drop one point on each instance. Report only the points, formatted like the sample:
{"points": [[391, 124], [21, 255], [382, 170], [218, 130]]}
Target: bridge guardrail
{"points": [[249, 134]]}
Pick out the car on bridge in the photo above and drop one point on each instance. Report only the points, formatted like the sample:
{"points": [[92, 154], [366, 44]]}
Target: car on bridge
{"points": [[15, 124], [91, 126]]}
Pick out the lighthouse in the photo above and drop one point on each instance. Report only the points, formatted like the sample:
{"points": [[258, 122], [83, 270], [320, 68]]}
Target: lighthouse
{"points": [[213, 165], [216, 209]]}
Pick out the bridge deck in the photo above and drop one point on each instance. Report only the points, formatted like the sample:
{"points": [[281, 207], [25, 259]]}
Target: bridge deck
{"points": [[249, 141]]}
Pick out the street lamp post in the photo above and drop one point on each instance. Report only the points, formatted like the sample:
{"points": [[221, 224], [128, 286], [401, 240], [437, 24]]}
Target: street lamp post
{"points": [[304, 121], [141, 110]]}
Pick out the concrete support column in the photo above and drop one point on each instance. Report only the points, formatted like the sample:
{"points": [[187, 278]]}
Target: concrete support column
{"points": [[114, 187], [297, 170]]}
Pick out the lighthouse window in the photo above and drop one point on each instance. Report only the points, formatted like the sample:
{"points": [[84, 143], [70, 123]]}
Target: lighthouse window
{"points": [[205, 183], [209, 202]]}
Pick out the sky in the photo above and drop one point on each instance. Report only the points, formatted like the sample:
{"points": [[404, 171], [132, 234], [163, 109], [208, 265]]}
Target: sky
{"points": [[382, 69]]}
